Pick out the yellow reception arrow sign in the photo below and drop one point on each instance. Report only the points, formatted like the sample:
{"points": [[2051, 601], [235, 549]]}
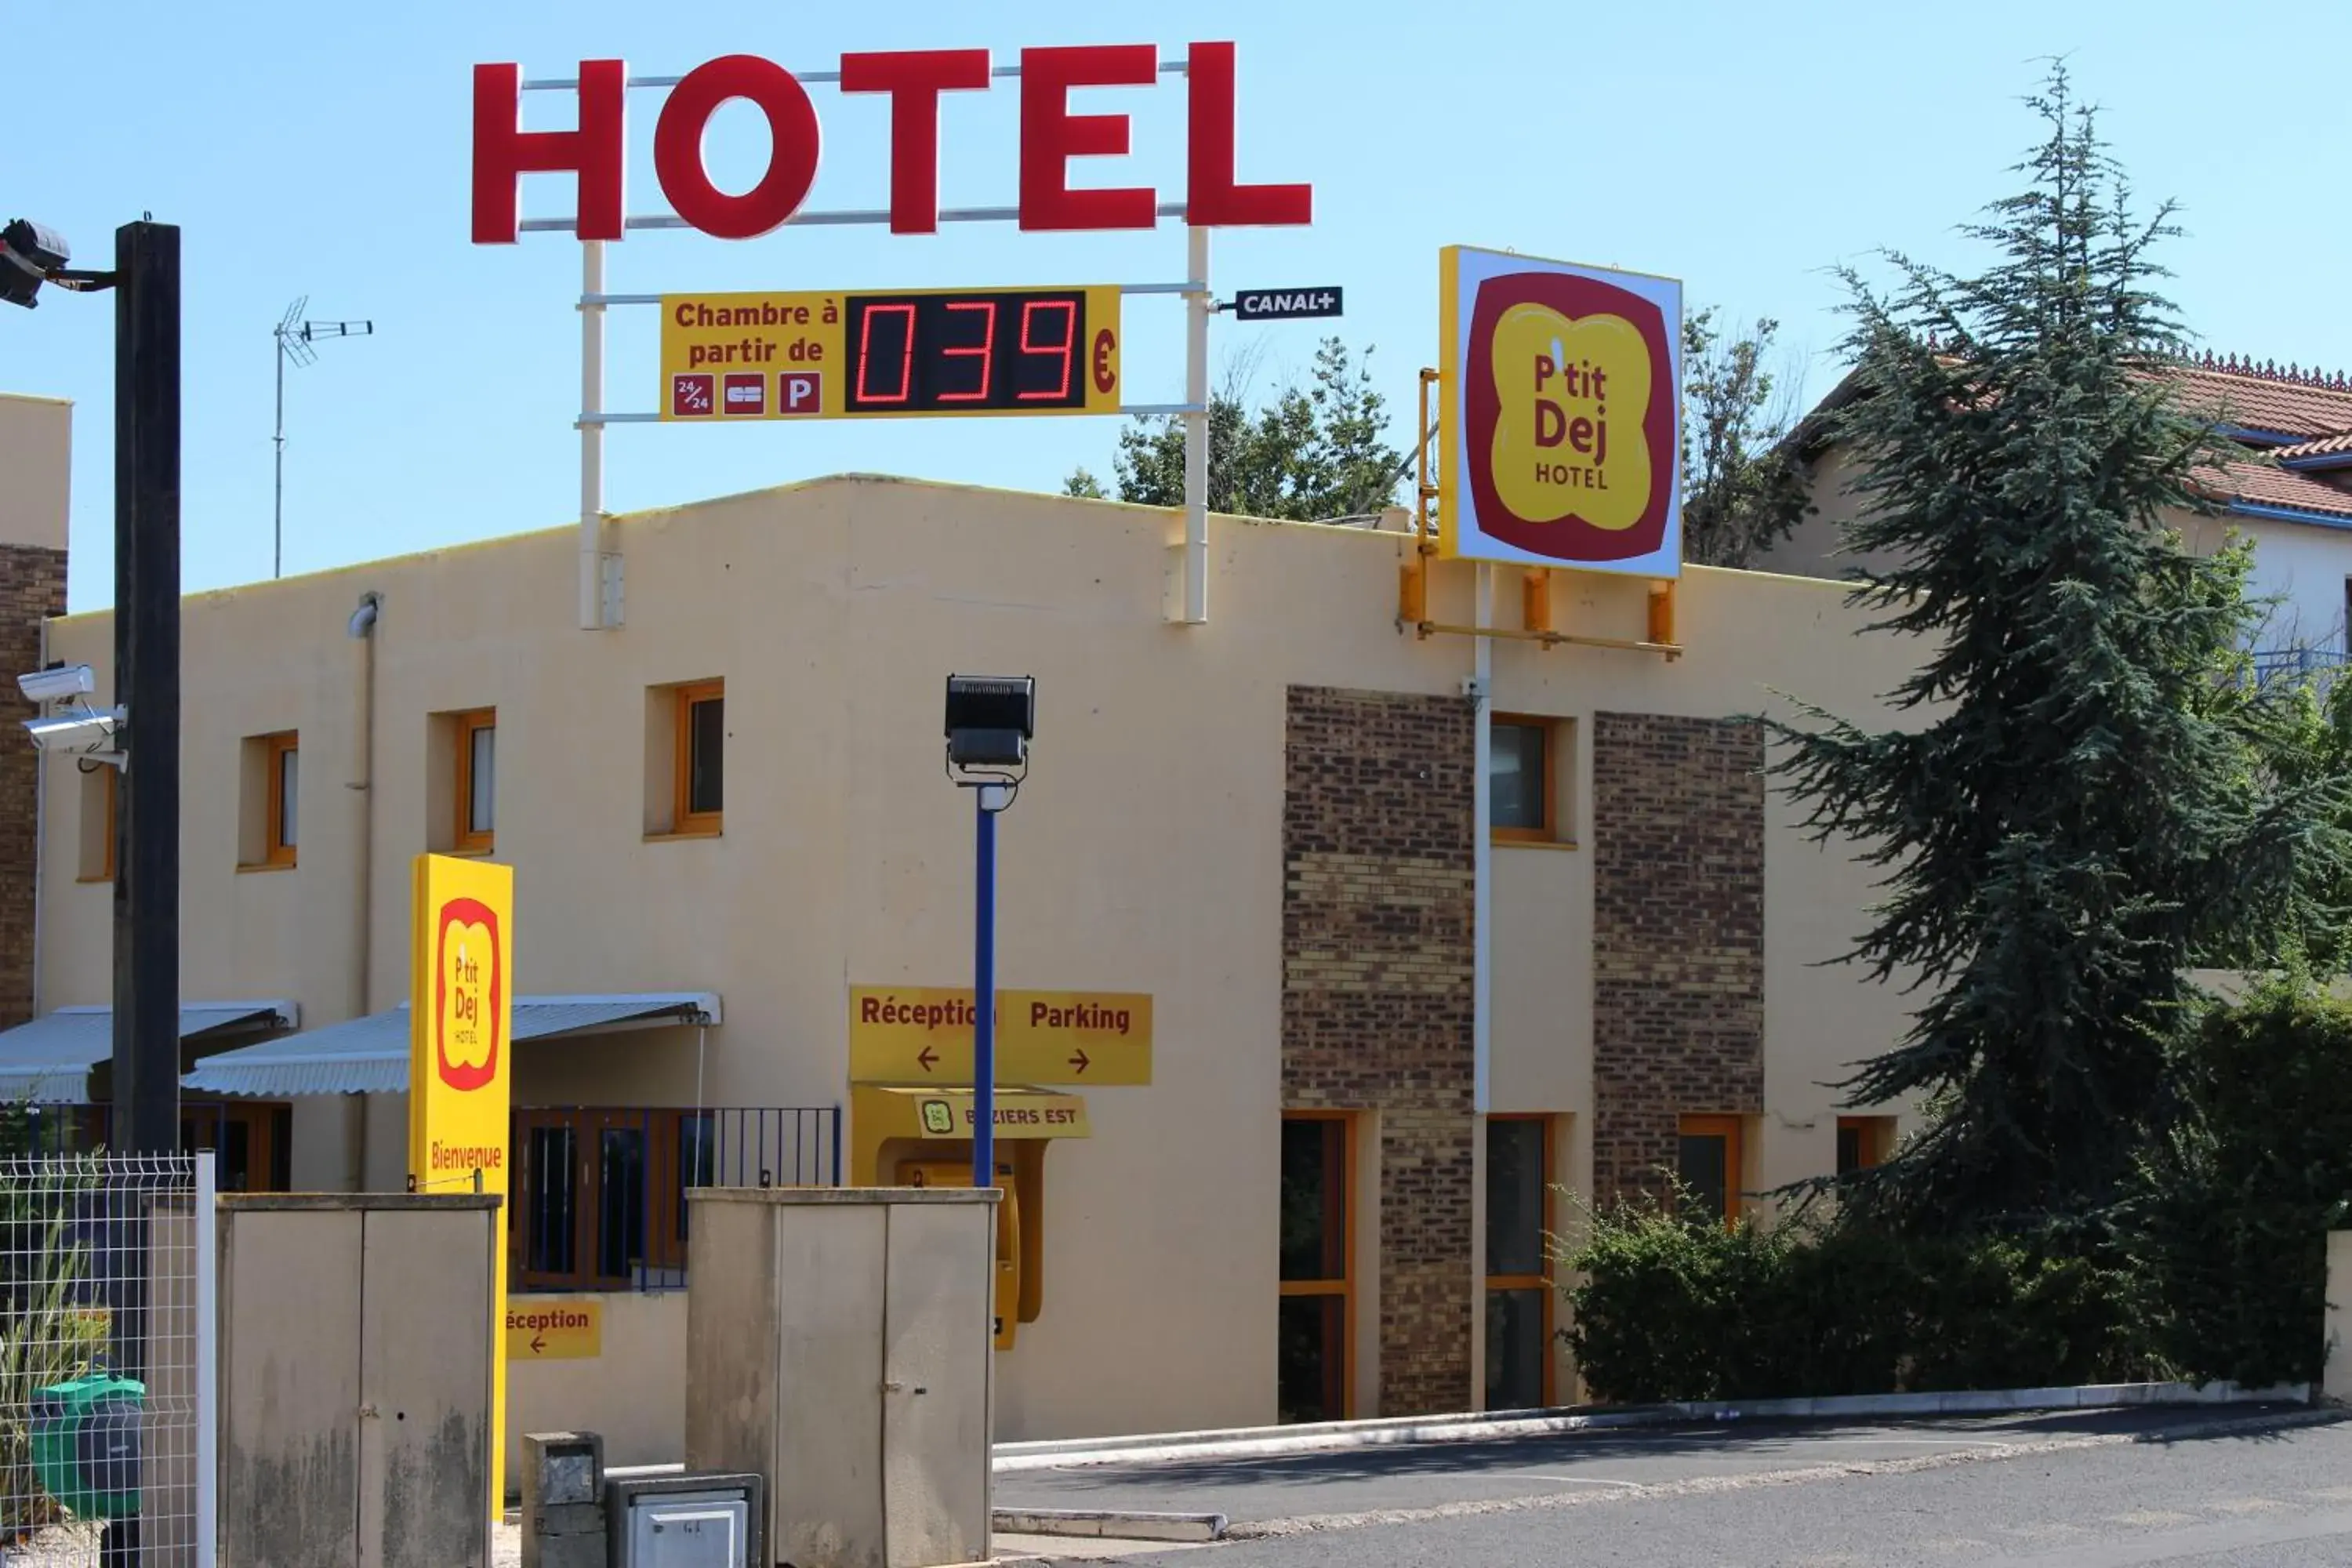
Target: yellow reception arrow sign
{"points": [[922, 1034], [554, 1329]]}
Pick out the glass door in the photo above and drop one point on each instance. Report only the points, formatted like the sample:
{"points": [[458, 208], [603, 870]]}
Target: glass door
{"points": [[1314, 1337]]}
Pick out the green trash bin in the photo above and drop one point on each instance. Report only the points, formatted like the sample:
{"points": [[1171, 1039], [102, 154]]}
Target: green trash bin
{"points": [[86, 1444]]}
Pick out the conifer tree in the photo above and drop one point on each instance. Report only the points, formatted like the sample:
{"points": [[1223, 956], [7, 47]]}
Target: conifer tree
{"points": [[2082, 799]]}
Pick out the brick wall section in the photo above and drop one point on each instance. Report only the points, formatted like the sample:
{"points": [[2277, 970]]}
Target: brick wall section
{"points": [[32, 589], [1677, 935], [1376, 931]]}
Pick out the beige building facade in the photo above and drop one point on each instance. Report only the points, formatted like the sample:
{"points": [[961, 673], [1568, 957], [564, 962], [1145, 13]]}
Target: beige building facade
{"points": [[728, 813]]}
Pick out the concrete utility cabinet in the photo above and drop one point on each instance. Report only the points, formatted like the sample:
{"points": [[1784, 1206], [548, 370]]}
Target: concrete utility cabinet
{"points": [[355, 1379], [838, 1342]]}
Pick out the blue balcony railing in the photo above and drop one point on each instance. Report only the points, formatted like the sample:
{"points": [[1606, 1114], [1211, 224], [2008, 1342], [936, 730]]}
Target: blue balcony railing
{"points": [[2298, 663], [598, 1196]]}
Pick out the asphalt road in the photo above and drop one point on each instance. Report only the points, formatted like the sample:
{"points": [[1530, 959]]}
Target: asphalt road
{"points": [[2090, 1491]]}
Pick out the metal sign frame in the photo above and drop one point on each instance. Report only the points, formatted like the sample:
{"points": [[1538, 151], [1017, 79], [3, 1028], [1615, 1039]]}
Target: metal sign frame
{"points": [[601, 571]]}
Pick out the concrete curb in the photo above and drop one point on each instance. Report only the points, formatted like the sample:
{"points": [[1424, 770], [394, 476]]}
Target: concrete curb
{"points": [[1112, 1526], [1258, 1442]]}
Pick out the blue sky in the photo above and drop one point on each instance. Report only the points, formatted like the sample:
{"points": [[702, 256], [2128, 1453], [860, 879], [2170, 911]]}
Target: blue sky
{"points": [[1748, 149]]}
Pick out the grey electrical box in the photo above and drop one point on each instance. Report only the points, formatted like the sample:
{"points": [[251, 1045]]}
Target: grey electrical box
{"points": [[837, 1342], [355, 1356], [564, 1501], [706, 1521]]}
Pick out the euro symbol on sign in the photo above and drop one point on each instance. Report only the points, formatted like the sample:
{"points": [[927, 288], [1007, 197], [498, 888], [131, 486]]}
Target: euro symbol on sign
{"points": [[1105, 378]]}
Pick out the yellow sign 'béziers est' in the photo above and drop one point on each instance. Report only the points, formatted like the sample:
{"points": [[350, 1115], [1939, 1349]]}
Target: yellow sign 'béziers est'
{"points": [[727, 357], [923, 1035]]}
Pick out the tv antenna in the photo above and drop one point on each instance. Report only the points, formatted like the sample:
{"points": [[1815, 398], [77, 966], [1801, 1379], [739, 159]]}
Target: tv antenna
{"points": [[296, 336]]}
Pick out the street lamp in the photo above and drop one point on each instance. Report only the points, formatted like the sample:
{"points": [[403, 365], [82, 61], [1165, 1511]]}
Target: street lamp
{"points": [[146, 286], [30, 253], [146, 1021], [990, 720]]}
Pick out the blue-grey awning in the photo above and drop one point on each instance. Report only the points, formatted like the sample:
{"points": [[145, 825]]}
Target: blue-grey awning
{"points": [[370, 1054], [48, 1061]]}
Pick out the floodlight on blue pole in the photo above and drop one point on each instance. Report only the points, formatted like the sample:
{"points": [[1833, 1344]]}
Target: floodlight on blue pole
{"points": [[990, 720]]}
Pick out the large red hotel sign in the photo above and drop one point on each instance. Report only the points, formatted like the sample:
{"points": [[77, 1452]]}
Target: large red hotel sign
{"points": [[915, 81]]}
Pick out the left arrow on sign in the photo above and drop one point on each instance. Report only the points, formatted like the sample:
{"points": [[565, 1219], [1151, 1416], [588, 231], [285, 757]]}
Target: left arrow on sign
{"points": [[538, 1345], [926, 1059]]}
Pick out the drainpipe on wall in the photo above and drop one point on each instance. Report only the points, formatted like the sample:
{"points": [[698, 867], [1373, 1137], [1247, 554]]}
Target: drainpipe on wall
{"points": [[361, 783]]}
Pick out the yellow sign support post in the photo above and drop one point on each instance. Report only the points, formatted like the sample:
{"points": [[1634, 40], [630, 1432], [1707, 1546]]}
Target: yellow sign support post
{"points": [[460, 1013]]}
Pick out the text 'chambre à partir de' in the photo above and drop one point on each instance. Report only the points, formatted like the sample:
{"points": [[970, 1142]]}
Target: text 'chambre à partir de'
{"points": [[695, 315]]}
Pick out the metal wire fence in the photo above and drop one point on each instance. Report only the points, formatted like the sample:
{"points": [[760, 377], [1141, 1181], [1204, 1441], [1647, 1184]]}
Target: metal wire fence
{"points": [[103, 1457]]}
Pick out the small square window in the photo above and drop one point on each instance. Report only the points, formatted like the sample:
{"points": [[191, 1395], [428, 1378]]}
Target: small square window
{"points": [[1527, 770], [101, 792], [1864, 1142], [474, 798], [270, 813], [704, 719], [1708, 1163], [686, 759]]}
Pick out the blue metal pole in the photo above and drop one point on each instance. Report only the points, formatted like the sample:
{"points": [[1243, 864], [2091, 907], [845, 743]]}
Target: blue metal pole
{"points": [[983, 1002]]}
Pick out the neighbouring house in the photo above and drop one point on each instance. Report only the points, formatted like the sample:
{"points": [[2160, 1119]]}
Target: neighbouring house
{"points": [[2291, 495]]}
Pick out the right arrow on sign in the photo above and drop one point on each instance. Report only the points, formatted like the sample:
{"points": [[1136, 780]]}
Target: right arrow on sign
{"points": [[1080, 1060]]}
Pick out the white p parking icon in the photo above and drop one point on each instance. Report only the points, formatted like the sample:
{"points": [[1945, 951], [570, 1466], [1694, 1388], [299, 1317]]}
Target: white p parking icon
{"points": [[800, 391]]}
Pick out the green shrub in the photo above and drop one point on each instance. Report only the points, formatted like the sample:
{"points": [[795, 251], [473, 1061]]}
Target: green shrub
{"points": [[1670, 1310], [2228, 1227]]}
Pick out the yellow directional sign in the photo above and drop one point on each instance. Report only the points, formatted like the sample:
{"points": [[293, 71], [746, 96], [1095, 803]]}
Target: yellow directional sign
{"points": [[555, 1331], [922, 1034], [884, 1112]]}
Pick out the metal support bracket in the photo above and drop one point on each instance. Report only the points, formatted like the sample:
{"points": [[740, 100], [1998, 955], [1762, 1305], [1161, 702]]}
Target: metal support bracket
{"points": [[613, 572], [1669, 651]]}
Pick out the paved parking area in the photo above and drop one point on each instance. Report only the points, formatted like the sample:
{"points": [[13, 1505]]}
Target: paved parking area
{"points": [[2195, 1488], [1427, 1475]]}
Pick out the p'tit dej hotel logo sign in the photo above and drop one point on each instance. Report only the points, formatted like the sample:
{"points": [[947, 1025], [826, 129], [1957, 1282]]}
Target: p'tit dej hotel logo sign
{"points": [[915, 81], [1560, 436]]}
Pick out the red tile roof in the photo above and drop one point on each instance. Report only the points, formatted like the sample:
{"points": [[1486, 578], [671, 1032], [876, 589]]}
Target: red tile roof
{"points": [[2290, 401], [2310, 406], [2264, 484]]}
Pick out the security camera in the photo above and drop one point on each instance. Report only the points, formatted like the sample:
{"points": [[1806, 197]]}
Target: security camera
{"points": [[59, 683], [76, 735], [29, 253]]}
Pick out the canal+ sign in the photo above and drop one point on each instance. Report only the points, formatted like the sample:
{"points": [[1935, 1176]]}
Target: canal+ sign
{"points": [[915, 81]]}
